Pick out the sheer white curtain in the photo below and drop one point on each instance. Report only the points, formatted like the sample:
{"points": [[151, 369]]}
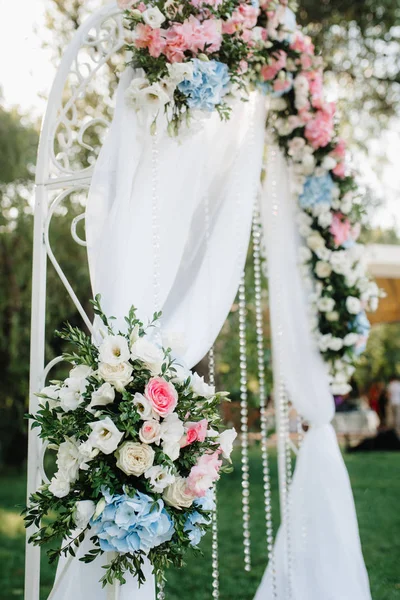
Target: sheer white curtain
{"points": [[206, 189], [325, 555]]}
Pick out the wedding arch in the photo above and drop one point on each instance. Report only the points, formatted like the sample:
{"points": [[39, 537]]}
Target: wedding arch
{"points": [[317, 552]]}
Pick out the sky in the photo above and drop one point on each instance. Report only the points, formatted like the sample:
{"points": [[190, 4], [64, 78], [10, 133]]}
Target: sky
{"points": [[26, 75]]}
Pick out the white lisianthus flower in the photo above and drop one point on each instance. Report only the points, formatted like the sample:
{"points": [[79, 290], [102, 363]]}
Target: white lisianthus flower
{"points": [[137, 84], [80, 372], [153, 17], [70, 399], [52, 393], [114, 350], [134, 336], [152, 97], [346, 205], [100, 506], [315, 241], [324, 342], [105, 436], [353, 305], [68, 459], [172, 430], [335, 344], [323, 269], [150, 354], [86, 454], [351, 339], [159, 478], [134, 458], [101, 397], [326, 304], [143, 407], [226, 439], [177, 494], [84, 511], [332, 316], [201, 388], [59, 485], [180, 374], [296, 146], [119, 375], [180, 71], [150, 432], [340, 262], [373, 303], [324, 254]]}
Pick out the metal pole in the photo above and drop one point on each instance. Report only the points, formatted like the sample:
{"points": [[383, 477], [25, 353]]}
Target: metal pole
{"points": [[37, 350]]}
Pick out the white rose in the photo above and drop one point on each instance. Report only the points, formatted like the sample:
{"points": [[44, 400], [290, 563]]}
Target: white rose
{"points": [[150, 354], [180, 71], [304, 254], [177, 494], [105, 436], [325, 304], [84, 511], [226, 439], [324, 254], [114, 350], [315, 241], [335, 344], [101, 397], [153, 17], [59, 485], [119, 375], [332, 316], [134, 458], [340, 389], [160, 478], [353, 305], [323, 269], [324, 342], [201, 388], [143, 407], [351, 339], [150, 432], [308, 164]]}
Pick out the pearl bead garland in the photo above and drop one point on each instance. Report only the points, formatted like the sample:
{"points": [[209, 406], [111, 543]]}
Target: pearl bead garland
{"points": [[244, 424], [257, 235], [155, 219]]}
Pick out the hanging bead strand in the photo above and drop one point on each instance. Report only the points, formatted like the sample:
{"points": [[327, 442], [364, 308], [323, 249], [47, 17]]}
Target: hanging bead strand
{"points": [[244, 424], [214, 516], [155, 219], [257, 233]]}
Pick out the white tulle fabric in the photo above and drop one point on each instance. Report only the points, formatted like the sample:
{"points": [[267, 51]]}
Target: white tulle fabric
{"points": [[324, 559], [214, 172]]}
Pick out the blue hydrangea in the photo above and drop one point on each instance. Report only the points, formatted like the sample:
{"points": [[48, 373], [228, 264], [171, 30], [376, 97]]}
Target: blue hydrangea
{"points": [[362, 326], [195, 533], [208, 86], [129, 524], [317, 190]]}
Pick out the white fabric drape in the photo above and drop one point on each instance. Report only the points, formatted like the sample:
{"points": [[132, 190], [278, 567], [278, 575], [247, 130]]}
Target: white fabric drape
{"points": [[214, 172], [325, 555]]}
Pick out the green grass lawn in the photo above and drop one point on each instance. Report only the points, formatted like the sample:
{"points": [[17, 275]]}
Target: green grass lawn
{"points": [[376, 484]]}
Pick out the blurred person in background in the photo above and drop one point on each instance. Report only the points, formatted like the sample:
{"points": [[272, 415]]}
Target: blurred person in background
{"points": [[394, 402]]}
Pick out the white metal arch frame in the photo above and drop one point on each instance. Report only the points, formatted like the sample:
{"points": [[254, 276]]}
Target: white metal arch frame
{"points": [[59, 174]]}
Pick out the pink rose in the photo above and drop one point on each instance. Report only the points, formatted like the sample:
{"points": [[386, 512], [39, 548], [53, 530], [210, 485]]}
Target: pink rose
{"points": [[340, 229], [150, 432], [195, 432], [162, 396], [203, 475]]}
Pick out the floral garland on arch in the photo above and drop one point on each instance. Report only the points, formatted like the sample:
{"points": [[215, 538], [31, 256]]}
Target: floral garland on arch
{"points": [[140, 444], [330, 203]]}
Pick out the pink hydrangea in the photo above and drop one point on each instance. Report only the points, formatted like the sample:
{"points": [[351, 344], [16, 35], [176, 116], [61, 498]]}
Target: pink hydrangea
{"points": [[246, 16], [315, 83], [319, 130], [194, 432], [203, 474], [152, 39], [340, 170], [282, 85]]}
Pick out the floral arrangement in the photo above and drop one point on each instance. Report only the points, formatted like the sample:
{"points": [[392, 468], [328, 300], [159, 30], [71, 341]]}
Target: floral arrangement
{"points": [[330, 204], [191, 56], [139, 444]]}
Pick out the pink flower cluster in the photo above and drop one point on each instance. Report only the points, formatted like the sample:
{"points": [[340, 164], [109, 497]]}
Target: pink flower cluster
{"points": [[194, 432], [319, 129], [342, 230], [191, 36], [162, 396]]}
